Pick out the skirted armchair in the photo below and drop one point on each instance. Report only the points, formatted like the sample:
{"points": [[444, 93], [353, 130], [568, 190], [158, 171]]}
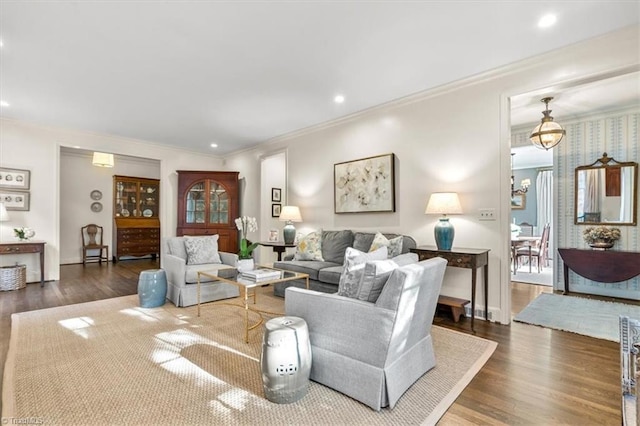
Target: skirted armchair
{"points": [[182, 275], [373, 352]]}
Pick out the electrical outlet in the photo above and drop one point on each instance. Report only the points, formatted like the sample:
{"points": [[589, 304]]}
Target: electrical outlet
{"points": [[487, 214]]}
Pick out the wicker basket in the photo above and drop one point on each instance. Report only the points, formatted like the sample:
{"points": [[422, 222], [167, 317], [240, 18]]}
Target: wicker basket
{"points": [[13, 277]]}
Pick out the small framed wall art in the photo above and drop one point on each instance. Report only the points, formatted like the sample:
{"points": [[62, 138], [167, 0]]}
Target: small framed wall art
{"points": [[518, 202], [276, 195], [15, 200], [275, 210], [14, 178]]}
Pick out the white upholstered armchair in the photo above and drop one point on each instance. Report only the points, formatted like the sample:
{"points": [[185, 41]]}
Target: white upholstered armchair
{"points": [[373, 352]]}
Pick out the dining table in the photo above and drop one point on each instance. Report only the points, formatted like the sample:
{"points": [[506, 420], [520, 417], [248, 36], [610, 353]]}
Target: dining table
{"points": [[520, 242]]}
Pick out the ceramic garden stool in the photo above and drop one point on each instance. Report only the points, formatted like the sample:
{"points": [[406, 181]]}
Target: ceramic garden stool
{"points": [[286, 359], [152, 288]]}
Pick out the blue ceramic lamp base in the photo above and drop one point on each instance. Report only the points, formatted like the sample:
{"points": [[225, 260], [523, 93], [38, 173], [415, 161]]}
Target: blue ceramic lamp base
{"points": [[444, 233], [289, 233]]}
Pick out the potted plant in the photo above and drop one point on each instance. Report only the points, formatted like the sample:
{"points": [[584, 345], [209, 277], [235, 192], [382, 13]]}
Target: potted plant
{"points": [[24, 233], [245, 225], [601, 237]]}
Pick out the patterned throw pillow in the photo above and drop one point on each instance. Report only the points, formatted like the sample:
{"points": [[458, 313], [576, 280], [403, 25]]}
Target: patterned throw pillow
{"points": [[202, 250], [393, 245], [309, 247], [354, 261]]}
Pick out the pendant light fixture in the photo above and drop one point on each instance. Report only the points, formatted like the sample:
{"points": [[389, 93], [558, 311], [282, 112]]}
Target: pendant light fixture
{"points": [[102, 159], [548, 133]]}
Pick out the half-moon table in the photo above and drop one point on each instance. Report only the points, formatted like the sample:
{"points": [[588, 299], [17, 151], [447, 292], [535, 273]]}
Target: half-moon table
{"points": [[604, 266]]}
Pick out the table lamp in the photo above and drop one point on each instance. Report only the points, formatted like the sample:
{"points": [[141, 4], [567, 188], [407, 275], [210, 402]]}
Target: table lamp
{"points": [[4, 216], [290, 214], [444, 203]]}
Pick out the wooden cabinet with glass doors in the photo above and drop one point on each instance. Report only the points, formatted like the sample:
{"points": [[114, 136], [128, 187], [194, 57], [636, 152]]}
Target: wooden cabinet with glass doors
{"points": [[136, 204], [208, 205]]}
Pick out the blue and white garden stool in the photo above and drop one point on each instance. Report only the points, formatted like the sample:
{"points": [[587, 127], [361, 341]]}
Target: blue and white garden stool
{"points": [[152, 288]]}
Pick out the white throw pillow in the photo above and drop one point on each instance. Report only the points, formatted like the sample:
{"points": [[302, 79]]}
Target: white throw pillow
{"points": [[309, 247], [394, 245], [354, 261], [202, 250], [374, 277]]}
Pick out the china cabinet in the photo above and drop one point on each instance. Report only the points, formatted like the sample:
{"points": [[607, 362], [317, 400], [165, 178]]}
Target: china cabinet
{"points": [[208, 204], [136, 204]]}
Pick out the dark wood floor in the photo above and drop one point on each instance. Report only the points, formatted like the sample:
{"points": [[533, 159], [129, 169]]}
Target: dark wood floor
{"points": [[536, 376]]}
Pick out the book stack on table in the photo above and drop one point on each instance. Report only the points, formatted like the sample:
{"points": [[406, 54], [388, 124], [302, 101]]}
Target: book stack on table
{"points": [[261, 274]]}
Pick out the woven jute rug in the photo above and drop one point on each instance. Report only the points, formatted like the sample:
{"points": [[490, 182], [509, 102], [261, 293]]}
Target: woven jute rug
{"points": [[112, 362]]}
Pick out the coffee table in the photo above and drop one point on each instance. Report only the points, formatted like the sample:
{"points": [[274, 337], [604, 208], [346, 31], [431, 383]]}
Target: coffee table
{"points": [[248, 290]]}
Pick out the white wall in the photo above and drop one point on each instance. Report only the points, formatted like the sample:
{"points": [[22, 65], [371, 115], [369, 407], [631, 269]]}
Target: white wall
{"points": [[272, 175], [455, 138], [78, 177], [37, 148]]}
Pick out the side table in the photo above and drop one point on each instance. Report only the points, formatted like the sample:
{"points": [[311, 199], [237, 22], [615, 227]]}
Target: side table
{"points": [[277, 246], [25, 247], [468, 258]]}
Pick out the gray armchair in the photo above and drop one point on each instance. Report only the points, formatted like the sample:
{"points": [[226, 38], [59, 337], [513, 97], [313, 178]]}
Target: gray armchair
{"points": [[373, 352], [182, 279]]}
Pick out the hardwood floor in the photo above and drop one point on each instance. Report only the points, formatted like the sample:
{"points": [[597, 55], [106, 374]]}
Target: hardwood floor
{"points": [[536, 376]]}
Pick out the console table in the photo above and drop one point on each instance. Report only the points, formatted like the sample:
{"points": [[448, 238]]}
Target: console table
{"points": [[22, 247], [277, 246], [468, 258], [604, 266]]}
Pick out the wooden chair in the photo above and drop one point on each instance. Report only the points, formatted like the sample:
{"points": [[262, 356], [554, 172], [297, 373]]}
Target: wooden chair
{"points": [[526, 229], [89, 243], [538, 252]]}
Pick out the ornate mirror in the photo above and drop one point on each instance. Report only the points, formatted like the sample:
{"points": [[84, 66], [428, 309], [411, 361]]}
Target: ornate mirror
{"points": [[606, 193]]}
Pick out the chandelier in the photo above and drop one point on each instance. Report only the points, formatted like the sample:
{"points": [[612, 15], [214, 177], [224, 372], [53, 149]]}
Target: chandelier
{"points": [[548, 133], [525, 183]]}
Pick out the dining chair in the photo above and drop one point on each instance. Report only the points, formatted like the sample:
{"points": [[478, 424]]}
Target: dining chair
{"points": [[537, 251], [92, 235], [526, 229]]}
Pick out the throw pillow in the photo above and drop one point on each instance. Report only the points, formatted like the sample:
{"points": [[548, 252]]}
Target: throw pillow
{"points": [[334, 245], [375, 275], [394, 245], [354, 261], [310, 247], [201, 250]]}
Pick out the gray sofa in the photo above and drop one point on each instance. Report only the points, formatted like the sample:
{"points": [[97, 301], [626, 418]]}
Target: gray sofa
{"points": [[325, 276]]}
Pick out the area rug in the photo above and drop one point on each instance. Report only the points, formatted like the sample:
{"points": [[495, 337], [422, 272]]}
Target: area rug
{"points": [[112, 362], [589, 317], [545, 277]]}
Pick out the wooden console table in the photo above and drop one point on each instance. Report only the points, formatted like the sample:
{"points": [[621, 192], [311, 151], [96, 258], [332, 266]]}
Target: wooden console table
{"points": [[604, 266], [22, 247], [277, 246], [468, 258]]}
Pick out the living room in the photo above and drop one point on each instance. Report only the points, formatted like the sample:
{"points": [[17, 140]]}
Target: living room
{"points": [[454, 137]]}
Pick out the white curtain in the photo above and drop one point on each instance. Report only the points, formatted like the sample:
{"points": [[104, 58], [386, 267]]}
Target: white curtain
{"points": [[544, 196], [592, 191]]}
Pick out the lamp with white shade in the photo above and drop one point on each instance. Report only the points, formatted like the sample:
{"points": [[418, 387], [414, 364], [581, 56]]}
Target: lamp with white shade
{"points": [[444, 203], [4, 215], [290, 214]]}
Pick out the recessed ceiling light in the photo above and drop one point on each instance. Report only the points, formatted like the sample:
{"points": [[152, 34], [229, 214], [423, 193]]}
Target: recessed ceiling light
{"points": [[214, 145], [547, 20], [4, 104], [338, 99]]}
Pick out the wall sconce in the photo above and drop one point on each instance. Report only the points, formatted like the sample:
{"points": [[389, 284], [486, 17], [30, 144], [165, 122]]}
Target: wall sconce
{"points": [[444, 203], [548, 133], [102, 159], [524, 183]]}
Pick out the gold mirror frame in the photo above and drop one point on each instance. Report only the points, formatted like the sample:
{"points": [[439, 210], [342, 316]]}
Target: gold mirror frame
{"points": [[609, 186]]}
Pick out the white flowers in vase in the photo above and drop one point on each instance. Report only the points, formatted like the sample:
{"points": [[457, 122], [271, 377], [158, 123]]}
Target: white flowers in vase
{"points": [[24, 233], [246, 224]]}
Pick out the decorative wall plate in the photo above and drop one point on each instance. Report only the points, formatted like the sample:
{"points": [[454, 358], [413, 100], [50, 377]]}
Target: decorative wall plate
{"points": [[96, 195], [96, 207]]}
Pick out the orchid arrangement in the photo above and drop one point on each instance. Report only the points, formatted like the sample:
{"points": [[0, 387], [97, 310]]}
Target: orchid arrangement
{"points": [[24, 233], [593, 234], [245, 225]]}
